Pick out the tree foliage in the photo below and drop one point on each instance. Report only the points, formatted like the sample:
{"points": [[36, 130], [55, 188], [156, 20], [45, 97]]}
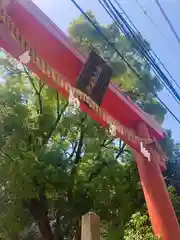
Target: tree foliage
{"points": [[139, 228], [85, 37], [56, 165]]}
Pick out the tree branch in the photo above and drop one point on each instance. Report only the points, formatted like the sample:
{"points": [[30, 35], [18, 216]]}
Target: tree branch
{"points": [[7, 155], [31, 80], [121, 150], [41, 85], [19, 152], [105, 164], [112, 148], [46, 139], [73, 151], [105, 144], [77, 159], [79, 147], [58, 105], [38, 93], [98, 170]]}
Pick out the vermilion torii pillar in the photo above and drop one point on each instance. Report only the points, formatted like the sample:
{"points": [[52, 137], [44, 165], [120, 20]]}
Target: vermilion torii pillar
{"points": [[158, 202], [45, 40]]}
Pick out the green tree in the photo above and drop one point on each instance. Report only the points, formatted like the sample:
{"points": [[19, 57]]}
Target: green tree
{"points": [[172, 150], [55, 165], [139, 228], [85, 37]]}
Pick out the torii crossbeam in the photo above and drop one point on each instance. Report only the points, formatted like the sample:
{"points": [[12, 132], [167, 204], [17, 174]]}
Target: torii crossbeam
{"points": [[24, 28]]}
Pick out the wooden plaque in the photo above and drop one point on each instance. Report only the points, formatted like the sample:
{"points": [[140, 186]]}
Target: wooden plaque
{"points": [[94, 77]]}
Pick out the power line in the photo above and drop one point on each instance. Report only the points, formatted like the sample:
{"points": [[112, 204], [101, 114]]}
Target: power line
{"points": [[112, 45], [168, 21], [131, 35], [149, 17], [120, 26], [154, 54]]}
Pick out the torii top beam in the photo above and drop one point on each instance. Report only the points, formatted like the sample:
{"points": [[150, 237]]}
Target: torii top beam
{"points": [[56, 49]]}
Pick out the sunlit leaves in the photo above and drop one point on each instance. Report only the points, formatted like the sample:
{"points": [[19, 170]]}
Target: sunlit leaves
{"points": [[139, 89], [66, 157], [139, 228]]}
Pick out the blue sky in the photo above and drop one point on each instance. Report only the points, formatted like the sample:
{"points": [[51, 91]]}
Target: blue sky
{"points": [[162, 41]]}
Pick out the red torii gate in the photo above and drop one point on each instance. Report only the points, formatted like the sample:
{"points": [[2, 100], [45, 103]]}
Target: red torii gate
{"points": [[24, 28]]}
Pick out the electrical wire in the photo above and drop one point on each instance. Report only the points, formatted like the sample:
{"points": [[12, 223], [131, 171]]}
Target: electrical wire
{"points": [[112, 45], [149, 17], [132, 36], [153, 53], [121, 27], [141, 50], [153, 22], [168, 21]]}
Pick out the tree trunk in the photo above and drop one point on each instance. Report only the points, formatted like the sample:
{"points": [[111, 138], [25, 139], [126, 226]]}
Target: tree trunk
{"points": [[78, 232], [45, 229], [38, 210]]}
